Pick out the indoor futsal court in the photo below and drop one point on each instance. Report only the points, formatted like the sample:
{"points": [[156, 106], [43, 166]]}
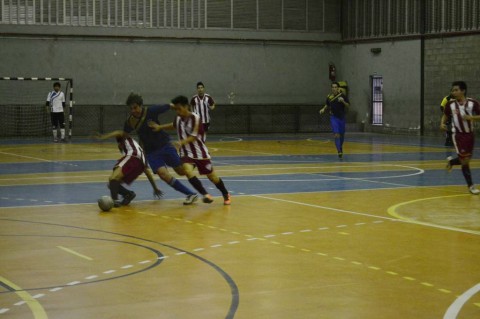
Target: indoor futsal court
{"points": [[386, 232]]}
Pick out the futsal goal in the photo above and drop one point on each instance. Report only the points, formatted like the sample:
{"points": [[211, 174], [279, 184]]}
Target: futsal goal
{"points": [[23, 110]]}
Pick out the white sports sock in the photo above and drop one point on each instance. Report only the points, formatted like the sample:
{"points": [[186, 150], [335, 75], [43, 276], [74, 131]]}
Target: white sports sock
{"points": [[62, 133]]}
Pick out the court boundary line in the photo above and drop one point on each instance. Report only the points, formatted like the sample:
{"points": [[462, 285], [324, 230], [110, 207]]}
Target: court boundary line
{"points": [[371, 216], [458, 304]]}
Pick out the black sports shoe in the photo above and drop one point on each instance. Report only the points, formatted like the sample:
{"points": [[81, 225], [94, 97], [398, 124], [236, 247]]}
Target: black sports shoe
{"points": [[128, 198]]}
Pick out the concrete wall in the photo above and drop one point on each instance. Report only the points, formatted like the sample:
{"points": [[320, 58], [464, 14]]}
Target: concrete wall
{"points": [[105, 70], [448, 60], [399, 64]]}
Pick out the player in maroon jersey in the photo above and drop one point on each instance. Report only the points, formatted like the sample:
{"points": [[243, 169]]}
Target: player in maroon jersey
{"points": [[461, 112], [202, 104], [127, 169], [193, 151]]}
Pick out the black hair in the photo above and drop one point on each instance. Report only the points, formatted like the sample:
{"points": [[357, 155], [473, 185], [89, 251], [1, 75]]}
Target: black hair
{"points": [[134, 98], [461, 85], [338, 84], [57, 84], [182, 100], [200, 83]]}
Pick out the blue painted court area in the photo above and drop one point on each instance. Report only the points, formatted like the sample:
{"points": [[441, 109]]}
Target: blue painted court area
{"points": [[256, 181]]}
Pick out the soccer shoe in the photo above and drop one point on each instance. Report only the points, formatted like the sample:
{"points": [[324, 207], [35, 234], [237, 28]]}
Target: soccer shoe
{"points": [[55, 140], [128, 198], [473, 190], [117, 203], [207, 199], [449, 165], [63, 140], [190, 199], [340, 155], [227, 200]]}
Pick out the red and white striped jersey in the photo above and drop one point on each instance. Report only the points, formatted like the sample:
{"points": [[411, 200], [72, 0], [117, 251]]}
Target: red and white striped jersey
{"points": [[191, 126], [202, 106], [129, 147], [456, 111]]}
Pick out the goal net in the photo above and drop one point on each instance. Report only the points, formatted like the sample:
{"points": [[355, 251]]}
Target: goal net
{"points": [[23, 109]]}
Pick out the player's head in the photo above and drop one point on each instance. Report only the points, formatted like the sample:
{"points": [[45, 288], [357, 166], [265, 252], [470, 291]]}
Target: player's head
{"points": [[57, 86], [335, 88], [181, 105], [200, 88], [459, 89], [135, 103]]}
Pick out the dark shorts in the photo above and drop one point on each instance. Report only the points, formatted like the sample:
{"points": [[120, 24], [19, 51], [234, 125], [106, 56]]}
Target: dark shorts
{"points": [[166, 156], [338, 125], [57, 119], [204, 166], [464, 143], [131, 166]]}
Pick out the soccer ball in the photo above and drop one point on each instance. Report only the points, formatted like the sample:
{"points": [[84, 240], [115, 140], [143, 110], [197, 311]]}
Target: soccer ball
{"points": [[105, 203]]}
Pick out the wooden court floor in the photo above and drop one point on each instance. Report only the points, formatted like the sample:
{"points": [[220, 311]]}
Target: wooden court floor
{"points": [[383, 233]]}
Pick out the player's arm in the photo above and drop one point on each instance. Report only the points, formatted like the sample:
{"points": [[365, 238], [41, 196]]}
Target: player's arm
{"points": [[105, 136], [156, 191], [158, 127], [344, 100], [443, 121], [211, 104], [323, 109]]}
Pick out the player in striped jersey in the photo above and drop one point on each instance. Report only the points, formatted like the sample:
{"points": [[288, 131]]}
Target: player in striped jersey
{"points": [[462, 111], [193, 151], [56, 102], [128, 168], [202, 104]]}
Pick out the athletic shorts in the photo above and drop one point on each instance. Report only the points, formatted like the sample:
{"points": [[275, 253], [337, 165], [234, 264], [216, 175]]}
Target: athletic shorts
{"points": [[204, 166], [57, 119], [338, 125], [131, 166], [166, 156], [464, 143]]}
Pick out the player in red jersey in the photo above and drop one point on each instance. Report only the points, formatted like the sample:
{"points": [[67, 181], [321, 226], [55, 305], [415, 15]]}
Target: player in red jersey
{"points": [[202, 104], [193, 151], [127, 169], [461, 112]]}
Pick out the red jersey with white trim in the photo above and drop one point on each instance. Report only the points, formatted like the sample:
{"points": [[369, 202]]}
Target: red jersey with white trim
{"points": [[202, 106], [129, 147], [456, 111], [191, 126]]}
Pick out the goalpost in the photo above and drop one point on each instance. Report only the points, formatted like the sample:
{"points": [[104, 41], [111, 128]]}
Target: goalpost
{"points": [[22, 105]]}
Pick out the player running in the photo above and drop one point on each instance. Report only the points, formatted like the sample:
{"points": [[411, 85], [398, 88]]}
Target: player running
{"points": [[338, 103], [193, 151], [461, 112]]}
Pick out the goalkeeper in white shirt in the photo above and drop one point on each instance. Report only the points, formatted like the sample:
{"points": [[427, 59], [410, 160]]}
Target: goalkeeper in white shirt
{"points": [[56, 102]]}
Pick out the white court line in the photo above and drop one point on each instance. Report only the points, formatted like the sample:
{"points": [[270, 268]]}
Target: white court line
{"points": [[373, 216], [457, 305], [29, 157]]}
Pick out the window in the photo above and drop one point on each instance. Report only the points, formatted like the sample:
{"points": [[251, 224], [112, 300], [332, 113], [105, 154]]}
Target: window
{"points": [[377, 99]]}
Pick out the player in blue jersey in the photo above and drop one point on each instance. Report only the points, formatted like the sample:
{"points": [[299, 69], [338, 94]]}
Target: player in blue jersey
{"points": [[158, 149], [337, 102]]}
